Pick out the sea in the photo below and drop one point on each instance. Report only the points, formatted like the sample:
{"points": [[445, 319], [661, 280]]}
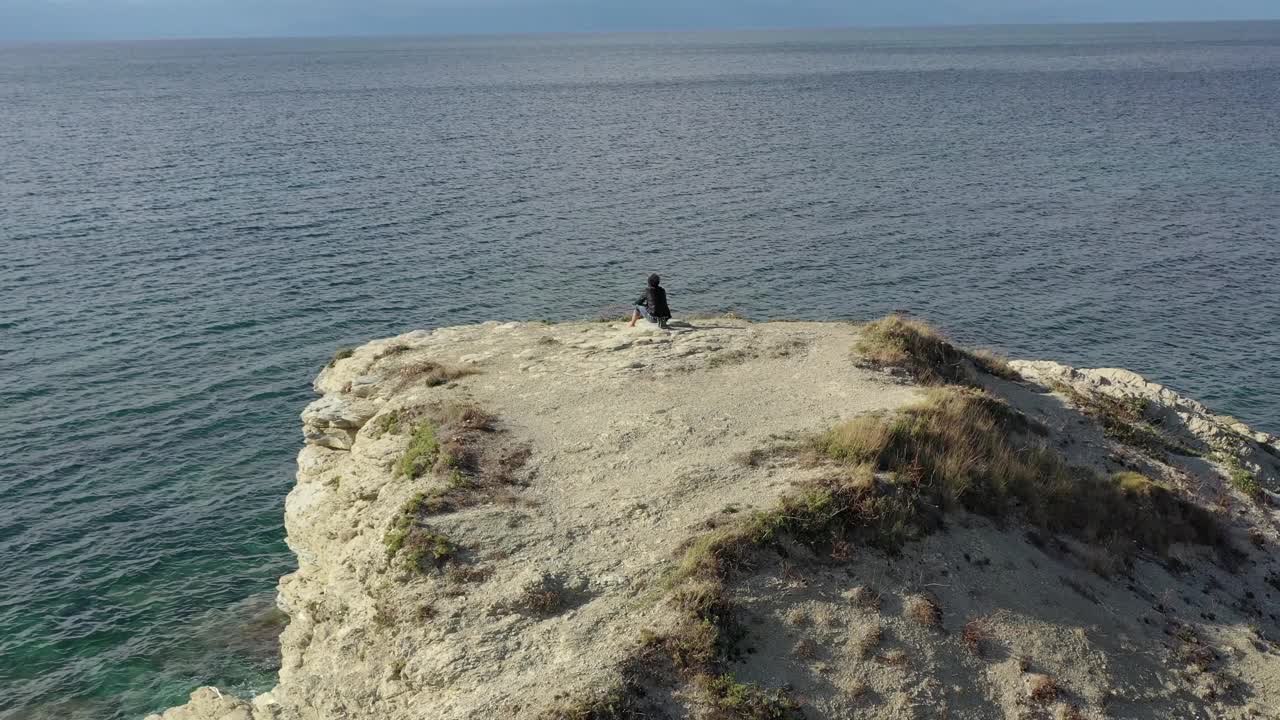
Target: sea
{"points": [[189, 229]]}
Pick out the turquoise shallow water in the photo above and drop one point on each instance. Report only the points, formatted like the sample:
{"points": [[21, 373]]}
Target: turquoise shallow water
{"points": [[190, 229]]}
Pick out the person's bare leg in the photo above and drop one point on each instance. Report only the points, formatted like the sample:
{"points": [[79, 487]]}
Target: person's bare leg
{"points": [[635, 315]]}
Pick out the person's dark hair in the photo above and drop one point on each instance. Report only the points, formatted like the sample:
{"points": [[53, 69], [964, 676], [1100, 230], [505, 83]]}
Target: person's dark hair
{"points": [[654, 280]]}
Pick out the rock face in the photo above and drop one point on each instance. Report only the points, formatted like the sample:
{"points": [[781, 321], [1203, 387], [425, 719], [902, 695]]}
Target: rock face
{"points": [[333, 421], [566, 466]]}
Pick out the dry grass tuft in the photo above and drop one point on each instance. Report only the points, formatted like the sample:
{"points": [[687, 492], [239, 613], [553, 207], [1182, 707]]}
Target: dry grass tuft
{"points": [[468, 574], [895, 658], [858, 440], [429, 373], [805, 649], [924, 352], [465, 416], [704, 598], [923, 610], [1041, 689], [693, 648], [752, 458], [796, 616], [974, 635], [824, 617], [730, 357], [392, 350], [545, 596], [865, 597], [866, 638], [1192, 650], [962, 448], [994, 363]]}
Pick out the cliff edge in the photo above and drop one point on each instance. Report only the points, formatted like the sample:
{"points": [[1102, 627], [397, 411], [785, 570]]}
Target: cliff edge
{"points": [[775, 520]]}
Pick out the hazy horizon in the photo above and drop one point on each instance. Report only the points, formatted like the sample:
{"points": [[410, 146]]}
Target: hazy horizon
{"points": [[71, 20]]}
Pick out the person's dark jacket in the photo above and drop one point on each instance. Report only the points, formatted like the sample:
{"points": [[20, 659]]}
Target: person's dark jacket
{"points": [[654, 300]]}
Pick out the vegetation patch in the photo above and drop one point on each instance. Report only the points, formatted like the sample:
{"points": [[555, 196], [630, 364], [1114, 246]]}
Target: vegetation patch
{"points": [[1124, 419], [924, 352], [1242, 479], [416, 542], [698, 649], [388, 422], [964, 449], [422, 453], [622, 703], [341, 354], [1246, 482], [694, 654], [458, 446], [732, 700]]}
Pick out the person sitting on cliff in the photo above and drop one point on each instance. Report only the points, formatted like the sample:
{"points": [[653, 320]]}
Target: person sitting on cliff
{"points": [[652, 305]]}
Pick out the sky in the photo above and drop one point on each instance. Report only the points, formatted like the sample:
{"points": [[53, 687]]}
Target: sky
{"points": [[131, 19]]}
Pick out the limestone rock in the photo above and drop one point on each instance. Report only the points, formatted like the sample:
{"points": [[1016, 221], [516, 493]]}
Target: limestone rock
{"points": [[210, 704], [333, 420]]}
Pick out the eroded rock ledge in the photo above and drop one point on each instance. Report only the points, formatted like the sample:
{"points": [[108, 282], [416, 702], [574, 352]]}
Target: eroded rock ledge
{"points": [[485, 516]]}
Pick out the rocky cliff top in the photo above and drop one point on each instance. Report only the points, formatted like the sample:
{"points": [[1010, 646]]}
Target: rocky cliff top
{"points": [[586, 520]]}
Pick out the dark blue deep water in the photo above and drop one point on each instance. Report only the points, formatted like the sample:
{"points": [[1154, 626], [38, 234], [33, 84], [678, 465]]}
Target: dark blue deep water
{"points": [[188, 230]]}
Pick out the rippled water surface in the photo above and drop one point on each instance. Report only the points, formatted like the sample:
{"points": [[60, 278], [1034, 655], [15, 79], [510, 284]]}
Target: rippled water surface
{"points": [[189, 229]]}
